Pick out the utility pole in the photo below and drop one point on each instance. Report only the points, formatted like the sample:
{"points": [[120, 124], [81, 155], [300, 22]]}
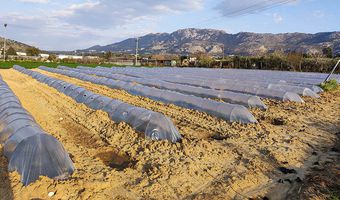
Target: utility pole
{"points": [[223, 51], [5, 25], [136, 56]]}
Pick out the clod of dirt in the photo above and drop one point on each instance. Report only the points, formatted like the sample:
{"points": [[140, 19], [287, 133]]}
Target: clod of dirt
{"points": [[287, 171], [288, 180], [278, 122], [298, 179], [116, 160], [219, 137], [316, 163]]}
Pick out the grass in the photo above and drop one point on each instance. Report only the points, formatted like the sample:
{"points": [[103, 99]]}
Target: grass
{"points": [[35, 64], [329, 85]]}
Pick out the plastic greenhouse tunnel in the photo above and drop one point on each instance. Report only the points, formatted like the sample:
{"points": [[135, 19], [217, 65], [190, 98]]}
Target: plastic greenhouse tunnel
{"points": [[250, 101], [233, 87], [154, 125], [226, 111], [30, 151], [241, 77]]}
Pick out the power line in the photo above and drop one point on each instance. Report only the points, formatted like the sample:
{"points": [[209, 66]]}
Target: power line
{"points": [[246, 10]]}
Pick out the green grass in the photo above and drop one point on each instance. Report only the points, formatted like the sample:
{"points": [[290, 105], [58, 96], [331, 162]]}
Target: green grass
{"points": [[35, 64], [329, 85]]}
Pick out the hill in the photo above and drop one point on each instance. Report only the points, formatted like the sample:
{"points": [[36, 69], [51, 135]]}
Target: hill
{"points": [[188, 41], [18, 46]]}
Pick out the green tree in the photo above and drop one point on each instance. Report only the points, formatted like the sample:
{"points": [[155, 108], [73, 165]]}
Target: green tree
{"points": [[52, 57], [108, 55], [11, 51], [327, 52], [204, 60], [295, 59], [32, 51]]}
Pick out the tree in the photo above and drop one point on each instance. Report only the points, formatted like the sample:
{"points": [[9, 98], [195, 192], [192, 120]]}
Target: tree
{"points": [[204, 60], [11, 51], [32, 51], [52, 57], [108, 55], [295, 59], [327, 52]]}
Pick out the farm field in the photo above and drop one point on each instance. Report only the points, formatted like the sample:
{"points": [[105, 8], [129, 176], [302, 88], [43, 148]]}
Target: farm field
{"points": [[215, 159], [35, 64]]}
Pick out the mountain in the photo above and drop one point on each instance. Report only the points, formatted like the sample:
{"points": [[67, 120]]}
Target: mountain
{"points": [[18, 46], [188, 41]]}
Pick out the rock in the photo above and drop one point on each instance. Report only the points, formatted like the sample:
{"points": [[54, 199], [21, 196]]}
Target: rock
{"points": [[278, 121], [51, 194]]}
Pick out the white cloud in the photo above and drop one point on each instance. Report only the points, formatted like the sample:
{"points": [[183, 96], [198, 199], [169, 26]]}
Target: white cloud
{"points": [[34, 1], [107, 13], [319, 14], [73, 25], [233, 8], [277, 18]]}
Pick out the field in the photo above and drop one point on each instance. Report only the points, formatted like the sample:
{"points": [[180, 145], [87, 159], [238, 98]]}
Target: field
{"points": [[215, 159], [35, 64]]}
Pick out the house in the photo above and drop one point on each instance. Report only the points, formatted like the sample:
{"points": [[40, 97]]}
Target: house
{"points": [[61, 57], [21, 53], [43, 55]]}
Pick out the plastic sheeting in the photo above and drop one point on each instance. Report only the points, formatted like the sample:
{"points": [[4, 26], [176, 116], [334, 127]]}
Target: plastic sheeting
{"points": [[218, 85], [269, 76], [226, 111], [155, 126], [250, 101], [30, 151], [240, 76]]}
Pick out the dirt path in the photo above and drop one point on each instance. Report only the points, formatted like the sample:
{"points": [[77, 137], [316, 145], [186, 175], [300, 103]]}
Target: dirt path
{"points": [[113, 161]]}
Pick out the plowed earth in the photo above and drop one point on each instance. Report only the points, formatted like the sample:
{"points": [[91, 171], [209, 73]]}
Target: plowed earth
{"points": [[215, 159]]}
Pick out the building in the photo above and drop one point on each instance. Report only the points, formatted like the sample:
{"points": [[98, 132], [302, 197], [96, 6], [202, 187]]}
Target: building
{"points": [[61, 57], [21, 54], [43, 55]]}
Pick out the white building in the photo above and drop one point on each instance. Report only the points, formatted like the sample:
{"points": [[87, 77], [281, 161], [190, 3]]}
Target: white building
{"points": [[69, 57], [21, 53], [44, 55]]}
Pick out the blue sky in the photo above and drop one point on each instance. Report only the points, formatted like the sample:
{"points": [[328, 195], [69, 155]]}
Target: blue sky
{"points": [[77, 24]]}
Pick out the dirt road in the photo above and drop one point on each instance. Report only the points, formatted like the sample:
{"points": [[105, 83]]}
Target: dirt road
{"points": [[215, 159]]}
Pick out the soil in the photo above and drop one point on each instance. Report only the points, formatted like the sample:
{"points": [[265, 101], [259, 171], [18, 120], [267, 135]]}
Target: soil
{"points": [[215, 159]]}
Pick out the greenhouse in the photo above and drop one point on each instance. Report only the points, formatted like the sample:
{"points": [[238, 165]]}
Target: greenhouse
{"points": [[226, 111], [155, 126], [30, 151], [250, 101]]}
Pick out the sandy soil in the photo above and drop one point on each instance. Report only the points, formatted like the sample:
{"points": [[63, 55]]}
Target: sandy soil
{"points": [[215, 160]]}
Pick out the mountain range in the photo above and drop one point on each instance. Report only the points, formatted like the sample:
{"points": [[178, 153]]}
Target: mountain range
{"points": [[18, 46], [214, 42]]}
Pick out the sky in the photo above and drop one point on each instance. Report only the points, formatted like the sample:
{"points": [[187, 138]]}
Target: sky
{"points": [[79, 24]]}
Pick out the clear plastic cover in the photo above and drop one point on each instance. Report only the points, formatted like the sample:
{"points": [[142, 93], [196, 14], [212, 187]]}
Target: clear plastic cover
{"points": [[218, 79], [227, 96], [30, 151], [218, 109], [117, 110]]}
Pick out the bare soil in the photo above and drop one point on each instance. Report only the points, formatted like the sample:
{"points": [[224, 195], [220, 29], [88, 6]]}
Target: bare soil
{"points": [[215, 159]]}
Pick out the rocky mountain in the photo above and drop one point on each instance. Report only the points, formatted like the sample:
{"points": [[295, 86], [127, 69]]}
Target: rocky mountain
{"points": [[18, 46], [188, 41]]}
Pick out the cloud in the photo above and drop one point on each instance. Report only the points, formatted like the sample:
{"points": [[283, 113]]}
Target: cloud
{"points": [[232, 8], [73, 25], [34, 1], [277, 18], [108, 13], [319, 14]]}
